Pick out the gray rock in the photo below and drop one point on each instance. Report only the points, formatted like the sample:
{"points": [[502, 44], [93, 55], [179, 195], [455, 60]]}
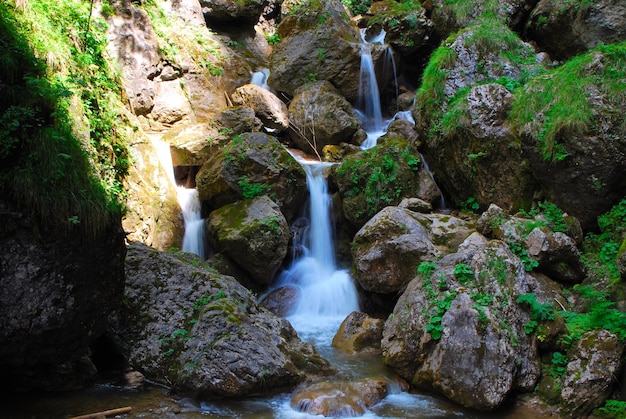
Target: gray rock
{"points": [[267, 107], [557, 255]]}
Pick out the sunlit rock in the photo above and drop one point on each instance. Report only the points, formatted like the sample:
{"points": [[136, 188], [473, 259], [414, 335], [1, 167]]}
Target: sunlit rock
{"points": [[268, 108], [359, 333]]}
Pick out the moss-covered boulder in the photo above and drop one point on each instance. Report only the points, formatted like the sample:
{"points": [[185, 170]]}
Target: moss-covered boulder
{"points": [[372, 179], [461, 114], [252, 164], [573, 134], [202, 333], [253, 233]]}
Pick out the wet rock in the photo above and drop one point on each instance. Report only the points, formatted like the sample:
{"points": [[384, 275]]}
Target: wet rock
{"points": [[336, 153], [557, 255], [254, 233], [387, 249], [252, 164], [340, 398], [267, 107], [592, 368], [403, 129], [566, 29], [319, 44], [458, 330], [320, 116], [359, 333], [282, 301], [203, 333]]}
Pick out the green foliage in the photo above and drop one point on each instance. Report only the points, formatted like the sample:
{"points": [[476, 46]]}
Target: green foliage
{"points": [[599, 314], [563, 98], [434, 326], [374, 175], [357, 7], [273, 39], [518, 249], [250, 189], [613, 409], [470, 205], [558, 365], [426, 269], [64, 181], [463, 273], [539, 313]]}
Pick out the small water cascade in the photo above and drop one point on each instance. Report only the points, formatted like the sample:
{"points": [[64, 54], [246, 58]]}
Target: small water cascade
{"points": [[193, 238], [443, 207], [328, 293], [368, 105], [260, 77]]}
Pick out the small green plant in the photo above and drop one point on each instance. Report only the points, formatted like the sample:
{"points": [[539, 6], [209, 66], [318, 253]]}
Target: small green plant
{"points": [[613, 409], [558, 365], [518, 249], [470, 205], [538, 312], [464, 273], [273, 39], [250, 189]]}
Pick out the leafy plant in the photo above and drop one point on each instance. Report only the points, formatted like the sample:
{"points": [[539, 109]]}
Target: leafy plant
{"points": [[613, 409], [250, 189], [538, 312], [463, 273], [273, 39], [559, 365]]}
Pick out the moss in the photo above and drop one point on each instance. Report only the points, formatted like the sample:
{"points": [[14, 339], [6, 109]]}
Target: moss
{"points": [[559, 103]]}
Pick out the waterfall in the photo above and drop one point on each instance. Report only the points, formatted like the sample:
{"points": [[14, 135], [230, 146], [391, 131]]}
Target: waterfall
{"points": [[328, 294], [260, 77], [193, 238]]}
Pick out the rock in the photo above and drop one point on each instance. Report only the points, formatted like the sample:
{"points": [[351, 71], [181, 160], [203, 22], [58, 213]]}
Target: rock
{"points": [[170, 103], [359, 333], [320, 44], [252, 164], [153, 215], [340, 398], [336, 153], [416, 205], [191, 144], [282, 301], [320, 116], [468, 141], [445, 231], [401, 128], [457, 328], [490, 222], [579, 160], [591, 370], [203, 334], [254, 233], [268, 108], [56, 293], [232, 11], [565, 29], [557, 255], [387, 249], [375, 178], [238, 119]]}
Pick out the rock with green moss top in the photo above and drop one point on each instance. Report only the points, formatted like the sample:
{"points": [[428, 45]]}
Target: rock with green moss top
{"points": [[458, 330], [203, 334], [572, 136], [449, 16], [317, 42], [253, 233], [405, 23], [320, 116], [461, 114], [252, 164], [566, 28], [373, 179], [593, 365]]}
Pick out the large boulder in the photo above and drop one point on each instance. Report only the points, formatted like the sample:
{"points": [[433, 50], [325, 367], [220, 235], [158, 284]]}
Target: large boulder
{"points": [[572, 136], [56, 293], [321, 117], [461, 114], [319, 44], [252, 164], [268, 108], [592, 368], [232, 11], [372, 179], [253, 233], [203, 333], [566, 28], [359, 334], [387, 249], [458, 329], [556, 254]]}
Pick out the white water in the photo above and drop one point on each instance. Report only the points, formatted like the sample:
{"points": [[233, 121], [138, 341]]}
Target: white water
{"points": [[260, 77], [193, 238], [328, 293]]}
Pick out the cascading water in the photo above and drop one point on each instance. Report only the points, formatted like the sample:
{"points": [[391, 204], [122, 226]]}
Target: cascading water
{"points": [[328, 294], [368, 105], [260, 77], [193, 238]]}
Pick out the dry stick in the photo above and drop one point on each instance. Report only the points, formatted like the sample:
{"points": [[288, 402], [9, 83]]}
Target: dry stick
{"points": [[105, 413]]}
